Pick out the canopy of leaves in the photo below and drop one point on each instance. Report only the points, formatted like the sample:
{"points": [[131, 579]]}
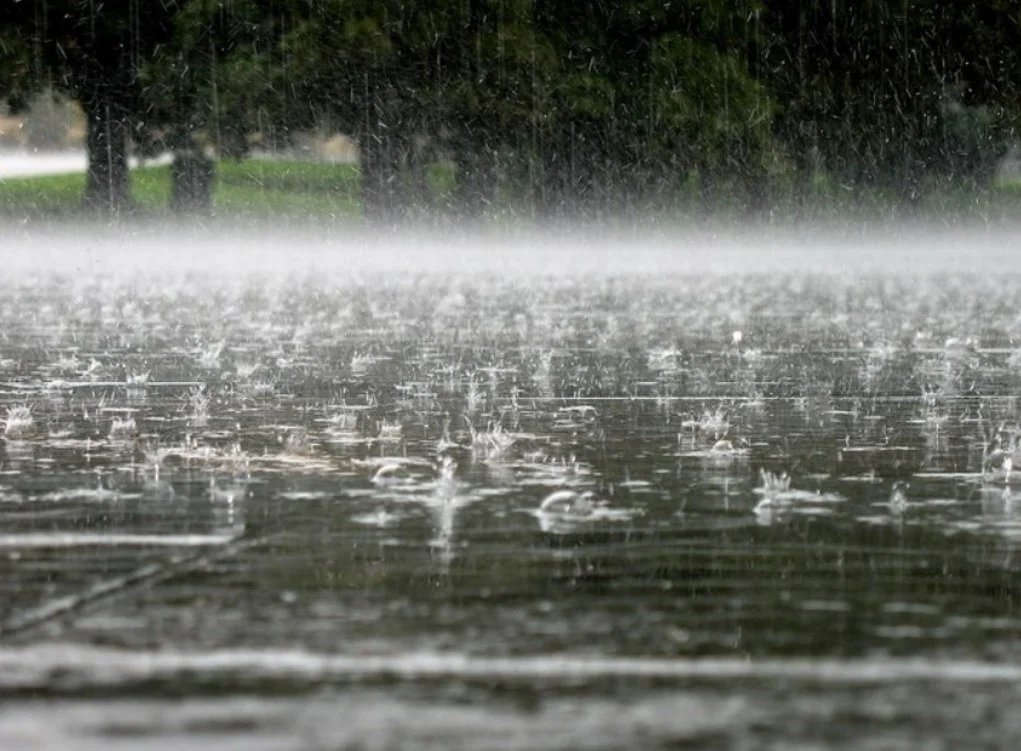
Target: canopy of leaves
{"points": [[579, 105]]}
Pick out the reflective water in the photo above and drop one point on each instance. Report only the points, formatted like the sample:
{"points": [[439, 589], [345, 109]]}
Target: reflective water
{"points": [[785, 497]]}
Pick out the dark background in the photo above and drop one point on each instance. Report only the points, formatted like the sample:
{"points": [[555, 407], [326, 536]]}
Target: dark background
{"points": [[552, 107]]}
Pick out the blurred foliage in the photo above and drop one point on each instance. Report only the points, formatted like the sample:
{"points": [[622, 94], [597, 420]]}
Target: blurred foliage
{"points": [[555, 107], [91, 51], [214, 82]]}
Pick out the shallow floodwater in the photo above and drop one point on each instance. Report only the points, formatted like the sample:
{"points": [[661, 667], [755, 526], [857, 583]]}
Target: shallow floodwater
{"points": [[310, 510]]}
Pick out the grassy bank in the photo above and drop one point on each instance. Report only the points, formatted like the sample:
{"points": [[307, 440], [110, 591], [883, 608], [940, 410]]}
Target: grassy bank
{"points": [[243, 188], [309, 191]]}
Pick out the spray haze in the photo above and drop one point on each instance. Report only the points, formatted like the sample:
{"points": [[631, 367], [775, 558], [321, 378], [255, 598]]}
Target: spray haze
{"points": [[237, 250]]}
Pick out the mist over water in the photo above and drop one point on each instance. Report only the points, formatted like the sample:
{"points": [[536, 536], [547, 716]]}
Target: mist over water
{"points": [[239, 248]]}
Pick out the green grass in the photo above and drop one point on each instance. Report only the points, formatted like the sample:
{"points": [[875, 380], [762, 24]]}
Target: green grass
{"points": [[309, 191], [296, 189], [243, 188], [56, 195]]}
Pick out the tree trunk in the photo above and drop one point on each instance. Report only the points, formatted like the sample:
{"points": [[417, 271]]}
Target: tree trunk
{"points": [[477, 178], [379, 144], [191, 183], [380, 167], [418, 197], [106, 114], [554, 199]]}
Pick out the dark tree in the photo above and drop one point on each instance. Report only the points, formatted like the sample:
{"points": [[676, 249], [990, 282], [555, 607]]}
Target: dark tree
{"points": [[345, 68], [572, 107], [209, 88], [905, 96], [93, 51]]}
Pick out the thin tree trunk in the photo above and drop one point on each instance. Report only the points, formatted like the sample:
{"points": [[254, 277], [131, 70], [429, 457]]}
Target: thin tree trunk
{"points": [[381, 183], [107, 188], [380, 145], [553, 194], [191, 183], [370, 161], [417, 196], [477, 178]]}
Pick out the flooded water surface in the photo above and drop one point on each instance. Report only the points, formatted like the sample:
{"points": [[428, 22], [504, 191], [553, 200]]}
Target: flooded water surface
{"points": [[420, 510]]}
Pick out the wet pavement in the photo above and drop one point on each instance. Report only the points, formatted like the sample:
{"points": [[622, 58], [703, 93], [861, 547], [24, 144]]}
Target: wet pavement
{"points": [[315, 512]]}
